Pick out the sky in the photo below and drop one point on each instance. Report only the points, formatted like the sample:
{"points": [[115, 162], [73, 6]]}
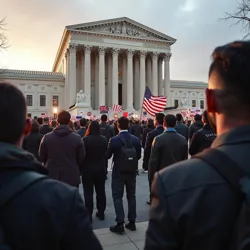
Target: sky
{"points": [[35, 27]]}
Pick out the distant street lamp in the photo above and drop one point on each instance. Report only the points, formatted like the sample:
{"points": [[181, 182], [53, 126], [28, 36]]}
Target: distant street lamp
{"points": [[55, 113]]}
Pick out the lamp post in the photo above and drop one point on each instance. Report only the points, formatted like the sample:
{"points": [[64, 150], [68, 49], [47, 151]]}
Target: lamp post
{"points": [[55, 113]]}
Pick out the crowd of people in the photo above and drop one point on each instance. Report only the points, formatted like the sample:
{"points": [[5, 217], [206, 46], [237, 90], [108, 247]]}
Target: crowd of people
{"points": [[198, 203]]}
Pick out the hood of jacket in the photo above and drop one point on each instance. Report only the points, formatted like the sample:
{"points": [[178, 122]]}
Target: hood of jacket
{"points": [[63, 130], [12, 156], [198, 124]]}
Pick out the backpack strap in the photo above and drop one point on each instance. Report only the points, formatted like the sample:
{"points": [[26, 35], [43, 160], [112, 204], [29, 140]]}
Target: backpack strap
{"points": [[126, 144], [19, 184], [225, 166]]}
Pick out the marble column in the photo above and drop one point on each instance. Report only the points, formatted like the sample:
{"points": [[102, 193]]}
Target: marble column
{"points": [[115, 76], [82, 70], [110, 74], [142, 75], [87, 73], [155, 74], [149, 71], [101, 76], [137, 83], [130, 80], [160, 87], [167, 78], [72, 76], [124, 81], [96, 81], [66, 86]]}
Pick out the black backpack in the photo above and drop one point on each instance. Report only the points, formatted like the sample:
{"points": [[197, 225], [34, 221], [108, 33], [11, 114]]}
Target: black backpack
{"points": [[127, 160], [11, 190], [239, 182]]}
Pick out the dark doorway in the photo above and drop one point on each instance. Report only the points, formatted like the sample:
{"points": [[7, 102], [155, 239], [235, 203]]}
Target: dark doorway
{"points": [[120, 94]]}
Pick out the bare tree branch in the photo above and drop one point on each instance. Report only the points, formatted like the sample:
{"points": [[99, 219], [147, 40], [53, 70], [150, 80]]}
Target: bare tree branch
{"points": [[240, 16], [3, 38]]}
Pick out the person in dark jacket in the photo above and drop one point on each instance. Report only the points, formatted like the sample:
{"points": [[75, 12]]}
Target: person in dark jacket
{"points": [[194, 207], [149, 128], [197, 125], [136, 130], [47, 214], [31, 142], [158, 122], [167, 148], [94, 169], [203, 138], [62, 152], [82, 130], [45, 128], [180, 127], [120, 180]]}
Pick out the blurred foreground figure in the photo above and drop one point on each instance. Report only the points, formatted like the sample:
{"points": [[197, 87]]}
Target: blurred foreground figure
{"points": [[36, 212], [197, 204]]}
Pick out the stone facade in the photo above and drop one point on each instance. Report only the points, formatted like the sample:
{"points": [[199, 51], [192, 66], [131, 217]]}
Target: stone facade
{"points": [[112, 61]]}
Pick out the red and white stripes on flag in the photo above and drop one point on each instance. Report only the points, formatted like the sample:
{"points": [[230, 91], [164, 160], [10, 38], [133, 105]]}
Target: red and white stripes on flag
{"points": [[153, 104], [117, 108]]}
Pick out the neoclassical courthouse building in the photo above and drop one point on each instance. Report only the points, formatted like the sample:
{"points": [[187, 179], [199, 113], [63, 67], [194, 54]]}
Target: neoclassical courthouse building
{"points": [[112, 61]]}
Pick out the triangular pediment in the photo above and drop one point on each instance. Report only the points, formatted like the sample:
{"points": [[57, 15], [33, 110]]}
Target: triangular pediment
{"points": [[122, 27]]}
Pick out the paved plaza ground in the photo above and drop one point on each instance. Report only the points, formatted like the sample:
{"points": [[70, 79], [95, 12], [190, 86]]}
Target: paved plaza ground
{"points": [[130, 240]]}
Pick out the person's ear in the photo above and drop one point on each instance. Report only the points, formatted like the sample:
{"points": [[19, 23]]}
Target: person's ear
{"points": [[211, 101], [27, 128]]}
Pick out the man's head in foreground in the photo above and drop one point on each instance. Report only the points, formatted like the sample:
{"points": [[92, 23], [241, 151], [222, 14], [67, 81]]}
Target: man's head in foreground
{"points": [[13, 109], [228, 102]]}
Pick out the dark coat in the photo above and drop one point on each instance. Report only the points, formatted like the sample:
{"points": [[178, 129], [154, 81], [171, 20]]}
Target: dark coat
{"points": [[31, 143], [136, 130], [194, 128], [81, 132], [47, 215], [94, 162], [201, 140], [150, 137], [62, 151], [115, 146], [144, 135], [45, 129], [182, 129], [167, 148], [106, 130], [194, 207]]}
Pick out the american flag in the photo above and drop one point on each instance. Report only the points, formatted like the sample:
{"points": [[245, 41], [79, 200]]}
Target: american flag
{"points": [[153, 104], [104, 109], [117, 108]]}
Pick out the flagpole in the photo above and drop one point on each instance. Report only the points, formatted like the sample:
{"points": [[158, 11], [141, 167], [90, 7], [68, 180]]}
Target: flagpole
{"points": [[142, 105]]}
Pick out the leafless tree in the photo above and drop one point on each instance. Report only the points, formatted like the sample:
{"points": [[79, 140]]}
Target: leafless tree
{"points": [[241, 16], [3, 38]]}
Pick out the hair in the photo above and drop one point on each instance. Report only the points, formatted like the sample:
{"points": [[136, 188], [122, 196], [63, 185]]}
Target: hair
{"points": [[170, 121], [53, 124], [179, 117], [205, 117], [123, 123], [12, 113], [93, 128], [150, 123], [63, 118], [159, 118], [104, 118], [35, 117], [83, 122], [46, 119], [40, 120], [143, 122], [232, 63], [34, 126], [197, 117], [71, 125]]}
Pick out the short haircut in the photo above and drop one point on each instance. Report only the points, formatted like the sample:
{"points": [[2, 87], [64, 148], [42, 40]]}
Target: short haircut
{"points": [[104, 118], [34, 126], [83, 122], [40, 120], [197, 117], [53, 123], [46, 119], [232, 63], [12, 113], [170, 121], [123, 123], [179, 117], [63, 117], [93, 128], [159, 117], [205, 116], [150, 123]]}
